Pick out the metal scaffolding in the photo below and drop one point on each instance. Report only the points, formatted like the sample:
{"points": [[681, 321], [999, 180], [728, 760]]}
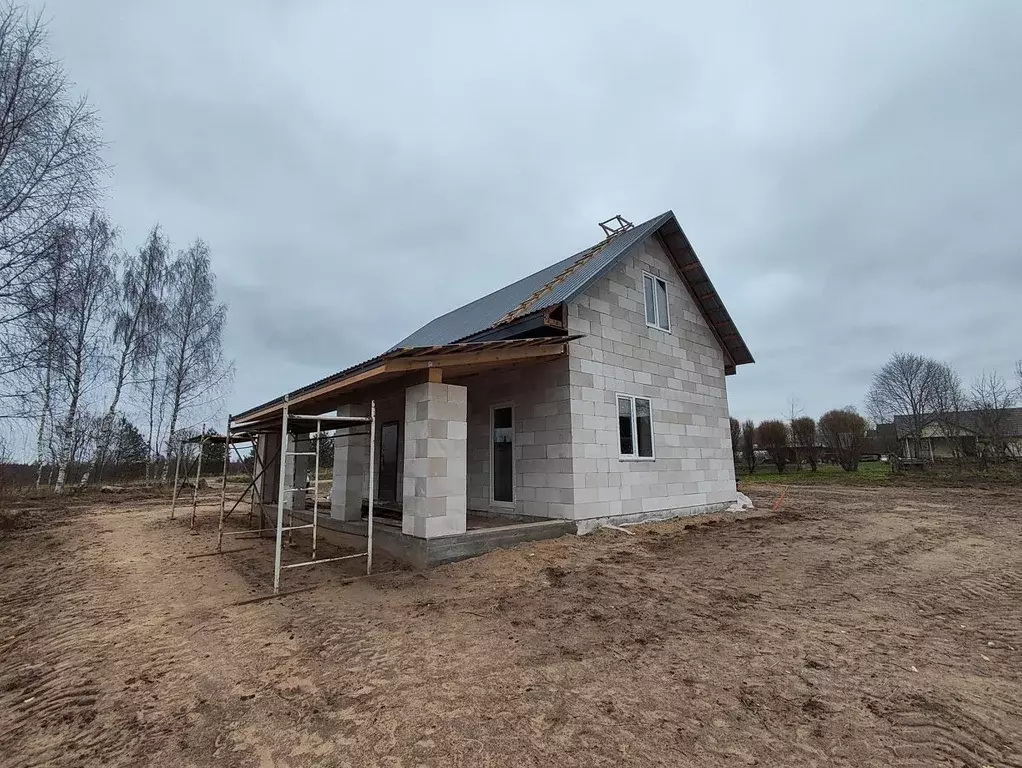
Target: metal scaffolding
{"points": [[290, 425]]}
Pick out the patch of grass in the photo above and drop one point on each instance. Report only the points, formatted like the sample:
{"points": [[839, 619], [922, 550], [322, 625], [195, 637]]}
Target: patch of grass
{"points": [[868, 473], [877, 473]]}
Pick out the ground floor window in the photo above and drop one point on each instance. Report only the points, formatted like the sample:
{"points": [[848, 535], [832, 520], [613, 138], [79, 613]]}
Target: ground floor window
{"points": [[635, 427], [503, 454]]}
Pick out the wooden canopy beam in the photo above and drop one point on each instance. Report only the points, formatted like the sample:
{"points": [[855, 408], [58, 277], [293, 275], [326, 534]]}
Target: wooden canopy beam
{"points": [[462, 362]]}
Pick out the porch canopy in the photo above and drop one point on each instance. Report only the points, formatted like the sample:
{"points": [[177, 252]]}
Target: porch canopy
{"points": [[398, 369]]}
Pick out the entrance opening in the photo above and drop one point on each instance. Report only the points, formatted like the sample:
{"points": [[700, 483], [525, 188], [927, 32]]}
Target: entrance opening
{"points": [[388, 462], [502, 457]]}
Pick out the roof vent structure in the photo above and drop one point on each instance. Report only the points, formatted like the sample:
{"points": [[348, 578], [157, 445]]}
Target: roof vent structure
{"points": [[615, 225]]}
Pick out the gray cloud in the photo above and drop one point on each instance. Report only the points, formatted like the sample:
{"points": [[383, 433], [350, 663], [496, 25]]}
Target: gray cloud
{"points": [[849, 174]]}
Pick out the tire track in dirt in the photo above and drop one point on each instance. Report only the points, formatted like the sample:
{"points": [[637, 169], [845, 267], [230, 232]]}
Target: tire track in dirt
{"points": [[48, 686], [937, 733], [77, 674]]}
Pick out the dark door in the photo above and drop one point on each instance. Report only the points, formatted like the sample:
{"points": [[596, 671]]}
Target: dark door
{"points": [[503, 455], [388, 462]]}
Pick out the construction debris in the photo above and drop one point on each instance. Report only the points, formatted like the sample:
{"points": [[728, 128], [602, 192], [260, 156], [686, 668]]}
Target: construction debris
{"points": [[741, 503]]}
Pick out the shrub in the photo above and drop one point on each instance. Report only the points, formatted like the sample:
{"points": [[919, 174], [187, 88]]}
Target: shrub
{"points": [[773, 438], [803, 437], [844, 431]]}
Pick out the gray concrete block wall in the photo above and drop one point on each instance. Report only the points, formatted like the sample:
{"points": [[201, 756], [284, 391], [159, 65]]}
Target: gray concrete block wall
{"points": [[682, 372], [540, 397], [389, 409], [351, 454], [295, 467]]}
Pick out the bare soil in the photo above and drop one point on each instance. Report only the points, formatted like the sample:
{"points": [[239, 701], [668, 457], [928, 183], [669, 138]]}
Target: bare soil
{"points": [[855, 626]]}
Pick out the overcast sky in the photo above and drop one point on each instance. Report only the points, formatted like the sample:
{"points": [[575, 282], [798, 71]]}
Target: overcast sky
{"points": [[849, 174]]}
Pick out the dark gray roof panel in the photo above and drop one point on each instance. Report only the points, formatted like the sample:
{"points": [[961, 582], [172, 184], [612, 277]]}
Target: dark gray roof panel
{"points": [[485, 312], [575, 283], [482, 313]]}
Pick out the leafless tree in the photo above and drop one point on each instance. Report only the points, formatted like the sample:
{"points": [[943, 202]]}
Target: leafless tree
{"points": [[137, 311], [949, 402], [749, 445], [196, 366], [844, 431], [151, 385], [804, 439], [44, 328], [794, 411], [991, 399], [736, 439], [49, 166], [773, 438], [87, 293], [906, 385]]}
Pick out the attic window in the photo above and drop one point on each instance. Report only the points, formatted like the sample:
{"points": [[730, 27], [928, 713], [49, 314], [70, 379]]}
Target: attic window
{"points": [[655, 293]]}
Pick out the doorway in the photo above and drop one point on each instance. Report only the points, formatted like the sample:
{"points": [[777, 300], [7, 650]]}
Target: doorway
{"points": [[387, 490], [502, 455]]}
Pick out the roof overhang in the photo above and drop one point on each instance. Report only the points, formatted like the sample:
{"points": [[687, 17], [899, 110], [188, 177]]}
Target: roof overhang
{"points": [[440, 362], [676, 243]]}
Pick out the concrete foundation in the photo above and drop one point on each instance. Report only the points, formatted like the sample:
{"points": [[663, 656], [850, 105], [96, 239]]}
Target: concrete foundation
{"points": [[425, 553], [594, 523]]}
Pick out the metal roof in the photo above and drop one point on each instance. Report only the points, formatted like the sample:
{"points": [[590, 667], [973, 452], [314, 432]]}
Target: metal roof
{"points": [[559, 283], [563, 281], [537, 291]]}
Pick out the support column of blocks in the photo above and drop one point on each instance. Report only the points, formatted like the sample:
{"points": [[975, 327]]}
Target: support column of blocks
{"points": [[351, 468], [269, 465], [436, 450]]}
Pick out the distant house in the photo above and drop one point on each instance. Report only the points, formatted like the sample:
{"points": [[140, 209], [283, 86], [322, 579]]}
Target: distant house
{"points": [[971, 432], [593, 390]]}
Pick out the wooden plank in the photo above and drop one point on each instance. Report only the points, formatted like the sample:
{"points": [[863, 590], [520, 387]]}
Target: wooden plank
{"points": [[387, 369], [450, 360], [345, 383]]}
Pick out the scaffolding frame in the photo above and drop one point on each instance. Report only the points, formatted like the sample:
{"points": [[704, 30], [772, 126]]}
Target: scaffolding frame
{"points": [[202, 440], [291, 424]]}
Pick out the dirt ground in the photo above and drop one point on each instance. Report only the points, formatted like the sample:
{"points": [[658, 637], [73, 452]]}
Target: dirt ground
{"points": [[859, 627]]}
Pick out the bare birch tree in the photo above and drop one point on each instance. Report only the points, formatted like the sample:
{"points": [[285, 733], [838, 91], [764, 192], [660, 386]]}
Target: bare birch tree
{"points": [[137, 300], [90, 279], [45, 327], [193, 341], [49, 165]]}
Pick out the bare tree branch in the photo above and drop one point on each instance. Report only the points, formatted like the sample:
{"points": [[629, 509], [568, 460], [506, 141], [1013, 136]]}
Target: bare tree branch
{"points": [[196, 365], [49, 167]]}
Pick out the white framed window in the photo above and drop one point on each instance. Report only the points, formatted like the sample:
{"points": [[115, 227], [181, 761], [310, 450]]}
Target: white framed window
{"points": [[654, 291], [635, 427]]}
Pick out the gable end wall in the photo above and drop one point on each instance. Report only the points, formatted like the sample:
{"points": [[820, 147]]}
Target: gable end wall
{"points": [[682, 372]]}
